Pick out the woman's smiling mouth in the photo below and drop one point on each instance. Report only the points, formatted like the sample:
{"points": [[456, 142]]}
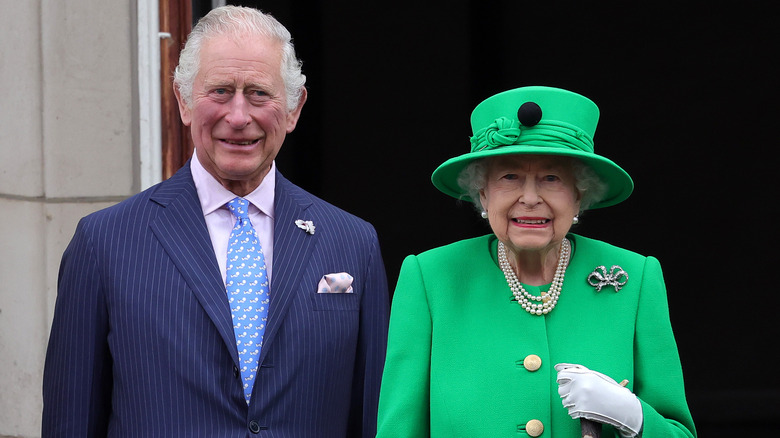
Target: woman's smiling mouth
{"points": [[531, 221]]}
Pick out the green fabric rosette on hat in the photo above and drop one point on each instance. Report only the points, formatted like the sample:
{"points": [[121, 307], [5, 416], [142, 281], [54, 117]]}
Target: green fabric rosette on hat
{"points": [[536, 121]]}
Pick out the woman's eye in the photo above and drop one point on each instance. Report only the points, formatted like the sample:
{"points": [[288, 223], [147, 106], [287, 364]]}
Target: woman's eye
{"points": [[510, 176]]}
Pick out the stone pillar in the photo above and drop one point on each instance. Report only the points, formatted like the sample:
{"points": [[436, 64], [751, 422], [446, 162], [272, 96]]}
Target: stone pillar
{"points": [[68, 146]]}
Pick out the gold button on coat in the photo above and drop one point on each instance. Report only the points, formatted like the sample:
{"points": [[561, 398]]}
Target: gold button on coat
{"points": [[534, 428], [532, 362]]}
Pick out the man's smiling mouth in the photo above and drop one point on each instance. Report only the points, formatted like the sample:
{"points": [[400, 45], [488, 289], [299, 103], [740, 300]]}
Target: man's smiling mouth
{"points": [[241, 143]]}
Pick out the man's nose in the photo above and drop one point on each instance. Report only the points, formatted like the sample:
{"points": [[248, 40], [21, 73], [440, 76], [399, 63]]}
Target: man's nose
{"points": [[238, 114]]}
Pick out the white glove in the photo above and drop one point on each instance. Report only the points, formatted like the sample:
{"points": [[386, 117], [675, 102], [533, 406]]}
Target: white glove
{"points": [[592, 395]]}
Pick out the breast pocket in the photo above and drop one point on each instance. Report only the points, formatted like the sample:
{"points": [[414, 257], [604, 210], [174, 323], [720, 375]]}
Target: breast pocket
{"points": [[345, 302]]}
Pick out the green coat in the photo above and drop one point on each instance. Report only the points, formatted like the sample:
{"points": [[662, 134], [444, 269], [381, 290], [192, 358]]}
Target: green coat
{"points": [[457, 349]]}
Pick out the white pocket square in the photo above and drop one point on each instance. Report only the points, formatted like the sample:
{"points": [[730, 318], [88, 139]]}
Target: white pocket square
{"points": [[338, 283]]}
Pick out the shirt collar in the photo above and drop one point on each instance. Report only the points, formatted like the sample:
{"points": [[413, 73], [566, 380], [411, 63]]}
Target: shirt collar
{"points": [[213, 195]]}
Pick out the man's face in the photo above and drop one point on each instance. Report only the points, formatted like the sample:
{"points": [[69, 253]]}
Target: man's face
{"points": [[238, 116]]}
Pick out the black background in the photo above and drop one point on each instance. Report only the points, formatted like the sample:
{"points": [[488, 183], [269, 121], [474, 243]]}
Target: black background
{"points": [[689, 105]]}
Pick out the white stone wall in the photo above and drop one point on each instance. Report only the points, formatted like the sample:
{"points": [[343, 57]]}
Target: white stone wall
{"points": [[67, 147]]}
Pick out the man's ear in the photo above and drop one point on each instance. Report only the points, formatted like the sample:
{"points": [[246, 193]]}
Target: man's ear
{"points": [[184, 110], [294, 115]]}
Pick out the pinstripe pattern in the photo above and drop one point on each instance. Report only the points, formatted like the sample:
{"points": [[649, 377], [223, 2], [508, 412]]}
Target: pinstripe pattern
{"points": [[140, 291]]}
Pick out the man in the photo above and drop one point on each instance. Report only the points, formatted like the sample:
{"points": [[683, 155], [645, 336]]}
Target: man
{"points": [[146, 339]]}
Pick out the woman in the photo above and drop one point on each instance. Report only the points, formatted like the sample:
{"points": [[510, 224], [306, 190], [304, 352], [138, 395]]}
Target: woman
{"points": [[525, 331]]}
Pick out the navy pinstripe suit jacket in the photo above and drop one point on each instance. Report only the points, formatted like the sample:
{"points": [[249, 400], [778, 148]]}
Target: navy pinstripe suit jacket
{"points": [[142, 342]]}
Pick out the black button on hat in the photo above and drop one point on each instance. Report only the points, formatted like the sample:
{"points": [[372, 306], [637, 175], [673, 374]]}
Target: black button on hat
{"points": [[529, 114]]}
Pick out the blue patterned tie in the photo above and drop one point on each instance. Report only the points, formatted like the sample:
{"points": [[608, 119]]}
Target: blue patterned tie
{"points": [[246, 282]]}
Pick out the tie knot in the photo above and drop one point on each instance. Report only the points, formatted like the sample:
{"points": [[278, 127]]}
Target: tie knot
{"points": [[239, 207]]}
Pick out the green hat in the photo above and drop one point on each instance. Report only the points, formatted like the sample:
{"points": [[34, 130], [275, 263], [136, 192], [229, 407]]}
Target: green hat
{"points": [[540, 121]]}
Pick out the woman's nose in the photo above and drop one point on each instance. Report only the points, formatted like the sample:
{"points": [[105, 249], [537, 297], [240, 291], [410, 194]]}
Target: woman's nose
{"points": [[530, 195]]}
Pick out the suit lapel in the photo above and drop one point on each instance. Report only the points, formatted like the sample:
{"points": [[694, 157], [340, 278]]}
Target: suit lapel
{"points": [[181, 230], [292, 249]]}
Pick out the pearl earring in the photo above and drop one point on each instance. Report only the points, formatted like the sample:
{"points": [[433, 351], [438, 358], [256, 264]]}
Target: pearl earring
{"points": [[575, 220], [484, 214]]}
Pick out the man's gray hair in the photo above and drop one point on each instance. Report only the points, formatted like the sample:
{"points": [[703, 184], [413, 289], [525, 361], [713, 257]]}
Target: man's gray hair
{"points": [[239, 22]]}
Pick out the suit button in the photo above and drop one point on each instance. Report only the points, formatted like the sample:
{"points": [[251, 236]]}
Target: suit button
{"points": [[532, 362], [236, 373], [534, 428], [254, 427]]}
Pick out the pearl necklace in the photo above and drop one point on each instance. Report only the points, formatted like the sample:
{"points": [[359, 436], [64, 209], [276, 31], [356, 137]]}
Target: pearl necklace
{"points": [[525, 299]]}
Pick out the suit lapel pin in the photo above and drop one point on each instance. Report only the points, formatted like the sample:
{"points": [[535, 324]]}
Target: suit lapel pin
{"points": [[616, 277], [307, 226]]}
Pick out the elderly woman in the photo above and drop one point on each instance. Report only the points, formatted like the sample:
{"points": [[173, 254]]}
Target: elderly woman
{"points": [[525, 331]]}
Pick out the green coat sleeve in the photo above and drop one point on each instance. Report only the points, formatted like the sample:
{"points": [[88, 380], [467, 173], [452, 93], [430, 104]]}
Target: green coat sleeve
{"points": [[405, 394], [659, 379]]}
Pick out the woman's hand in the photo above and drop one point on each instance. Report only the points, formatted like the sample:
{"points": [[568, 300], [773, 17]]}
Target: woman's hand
{"points": [[594, 396]]}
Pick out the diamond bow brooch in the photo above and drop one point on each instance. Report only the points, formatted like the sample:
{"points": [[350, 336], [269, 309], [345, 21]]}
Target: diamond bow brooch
{"points": [[616, 277]]}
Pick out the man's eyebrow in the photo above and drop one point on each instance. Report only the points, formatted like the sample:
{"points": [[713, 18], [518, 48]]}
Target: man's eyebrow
{"points": [[217, 83]]}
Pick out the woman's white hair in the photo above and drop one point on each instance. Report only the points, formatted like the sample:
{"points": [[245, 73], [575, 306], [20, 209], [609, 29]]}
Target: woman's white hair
{"points": [[473, 178], [238, 22]]}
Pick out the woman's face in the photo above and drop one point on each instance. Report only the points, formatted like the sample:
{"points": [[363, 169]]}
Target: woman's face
{"points": [[531, 200]]}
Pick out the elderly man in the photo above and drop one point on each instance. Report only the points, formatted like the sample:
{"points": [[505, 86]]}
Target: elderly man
{"points": [[225, 301]]}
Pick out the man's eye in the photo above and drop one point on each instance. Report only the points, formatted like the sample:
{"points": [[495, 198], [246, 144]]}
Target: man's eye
{"points": [[220, 91]]}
